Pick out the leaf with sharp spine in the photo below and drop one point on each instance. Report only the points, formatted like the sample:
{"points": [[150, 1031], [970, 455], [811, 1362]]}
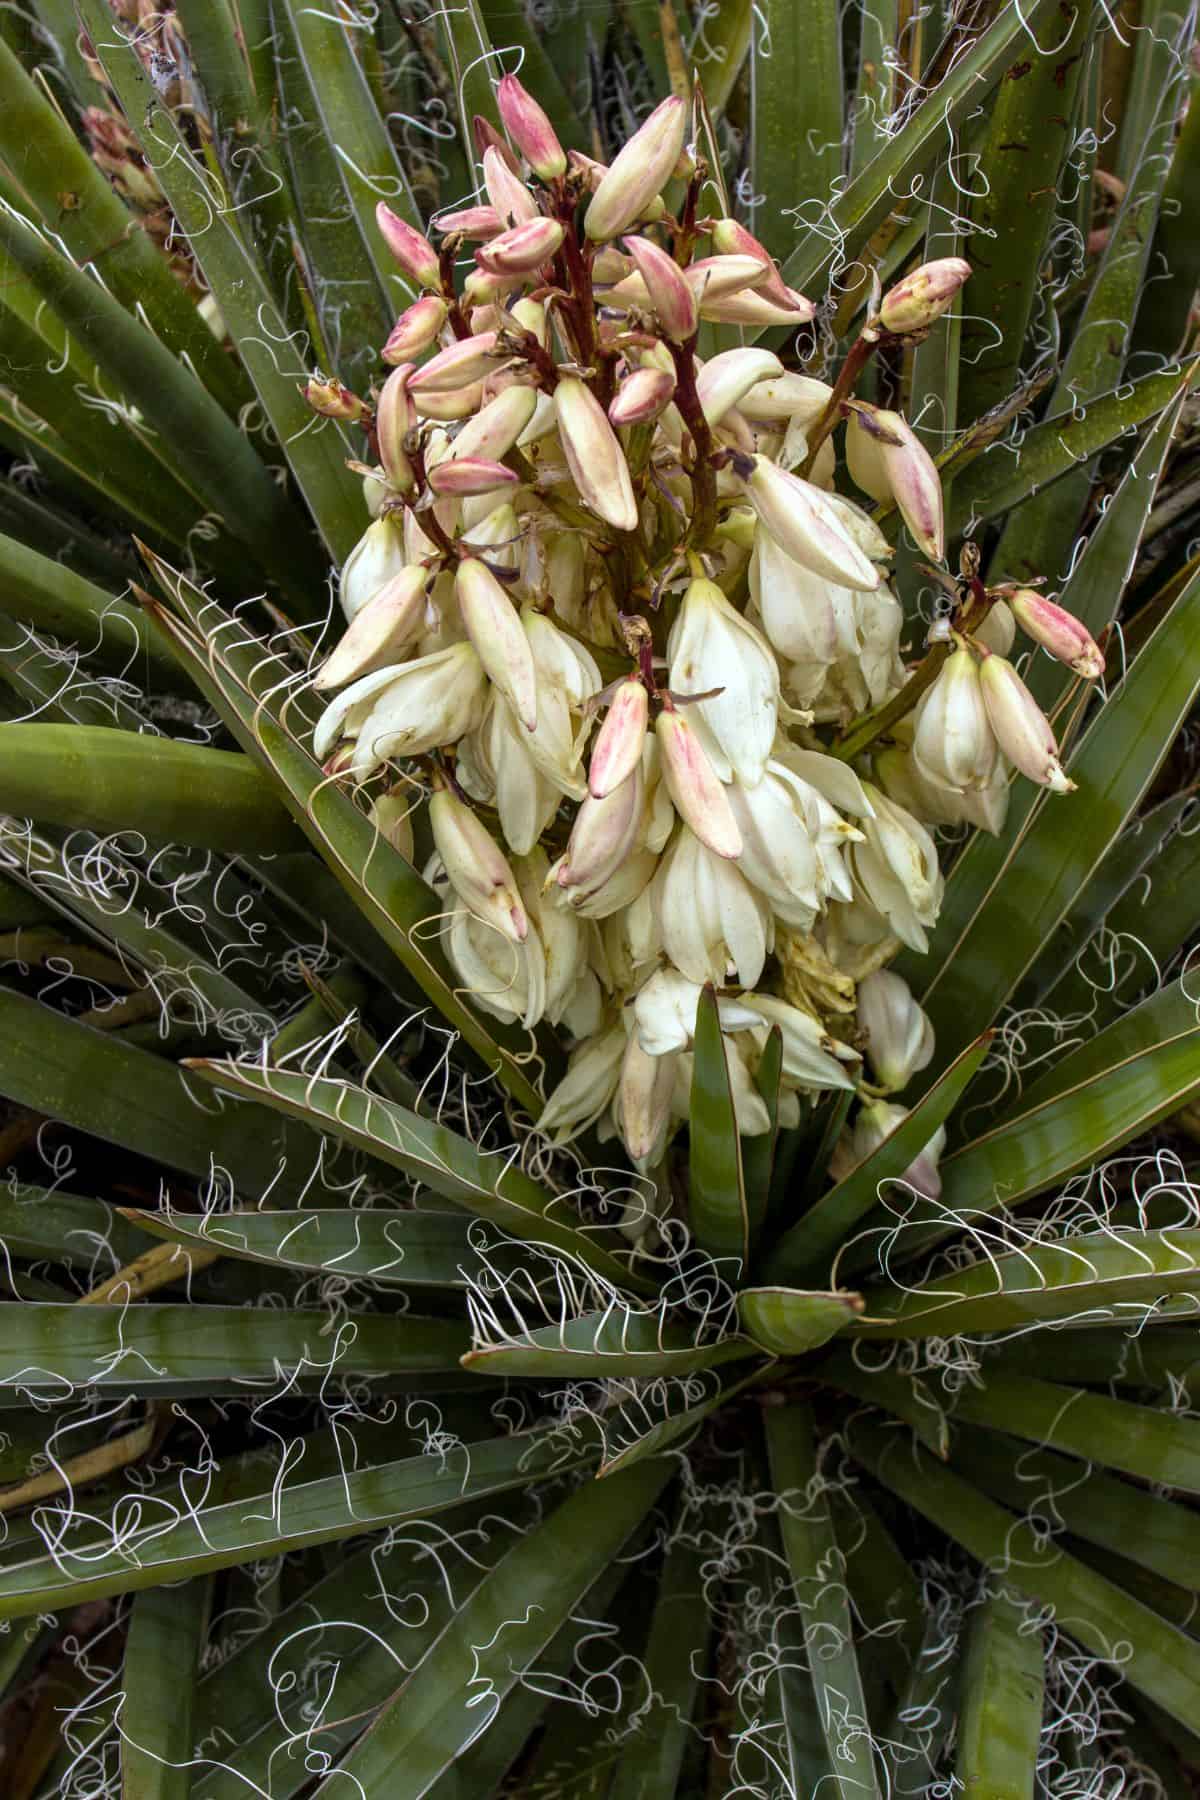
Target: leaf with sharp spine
{"points": [[790, 1321], [1003, 1695], [599, 1345]]}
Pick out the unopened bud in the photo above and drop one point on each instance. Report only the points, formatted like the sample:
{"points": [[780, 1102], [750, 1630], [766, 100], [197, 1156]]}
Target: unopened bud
{"points": [[463, 475], [495, 429], [618, 747], [530, 129], [727, 378], [415, 329], [670, 295], [700, 798], [333, 401], [641, 397], [729, 238], [477, 869], [395, 417], [751, 307], [374, 560], [643, 1100], [899, 1035], [475, 222], [1059, 632], [888, 460], [391, 815], [594, 455], [494, 627], [522, 249], [920, 298], [379, 631], [507, 192], [470, 359], [1022, 729], [998, 629], [453, 403], [717, 277], [639, 172], [604, 832], [800, 519], [415, 254]]}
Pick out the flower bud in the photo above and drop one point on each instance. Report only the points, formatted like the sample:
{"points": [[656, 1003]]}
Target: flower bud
{"points": [[920, 298], [473, 222], [643, 1100], [749, 307], [1059, 632], [454, 403], [462, 475], [888, 460], [476, 867], [466, 361], [641, 397], [670, 294], [720, 277], [954, 744], [899, 1035], [877, 1120], [594, 455], [415, 329], [333, 401], [620, 740], [727, 378], [530, 129], [586, 1088], [802, 522], [415, 254], [395, 417], [495, 429], [512, 200], [700, 799], [786, 398], [731, 239], [380, 630], [638, 173], [1021, 727], [391, 815], [998, 630], [522, 249], [494, 627], [375, 559], [603, 834]]}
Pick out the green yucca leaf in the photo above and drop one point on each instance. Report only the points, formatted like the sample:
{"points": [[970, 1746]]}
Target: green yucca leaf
{"points": [[167, 1627], [94, 778], [826, 1225], [811, 1550], [1003, 1697], [1137, 1440], [51, 531], [885, 1593], [789, 1321], [1149, 1360], [673, 1660], [907, 1397], [1162, 311], [717, 1204], [1156, 1533], [663, 1413], [916, 1735], [469, 54], [1164, 1018], [601, 1344], [796, 130], [43, 593], [1157, 1658], [506, 1623], [873, 98], [758, 1153], [322, 1511], [1093, 1277], [45, 1223]]}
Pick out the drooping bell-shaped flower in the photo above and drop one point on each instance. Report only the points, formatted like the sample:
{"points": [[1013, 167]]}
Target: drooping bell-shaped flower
{"points": [[665, 1013], [727, 378], [377, 558], [587, 1088], [428, 703], [494, 627], [712, 646], [896, 868], [899, 1034], [876, 1121], [778, 855], [954, 744], [475, 866], [811, 1058], [714, 925], [380, 631], [1022, 729], [802, 522], [694, 786]]}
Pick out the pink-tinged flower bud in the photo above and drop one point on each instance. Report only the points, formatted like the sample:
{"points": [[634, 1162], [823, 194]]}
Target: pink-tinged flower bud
{"points": [[1022, 729], [379, 632], [488, 138], [415, 329], [594, 455], [483, 288], [717, 277], [618, 747], [470, 359], [530, 129], [602, 836], [643, 1100], [415, 254], [700, 799], [587, 169], [395, 417], [888, 460], [731, 239], [493, 431], [522, 249], [758, 309], [455, 403], [333, 401], [1059, 632], [475, 222], [999, 629], [877, 1120], [641, 397], [670, 295], [800, 519], [639, 172], [899, 1034], [477, 869], [781, 399], [462, 475], [920, 298], [391, 815], [953, 744], [507, 192], [726, 379], [494, 627]]}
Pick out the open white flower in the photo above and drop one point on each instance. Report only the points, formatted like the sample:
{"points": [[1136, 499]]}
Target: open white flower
{"points": [[715, 926], [713, 646]]}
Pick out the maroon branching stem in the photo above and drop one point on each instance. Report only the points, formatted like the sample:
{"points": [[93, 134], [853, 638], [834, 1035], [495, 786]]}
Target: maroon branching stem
{"points": [[702, 473], [456, 317], [857, 358]]}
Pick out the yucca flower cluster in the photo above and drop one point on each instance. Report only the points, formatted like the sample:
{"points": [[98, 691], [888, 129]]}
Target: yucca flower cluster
{"points": [[613, 622]]}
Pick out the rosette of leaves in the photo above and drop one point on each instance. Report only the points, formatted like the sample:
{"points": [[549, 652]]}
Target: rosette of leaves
{"points": [[347, 1445]]}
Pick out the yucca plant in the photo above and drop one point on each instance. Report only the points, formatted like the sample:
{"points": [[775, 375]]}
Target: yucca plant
{"points": [[597, 1051]]}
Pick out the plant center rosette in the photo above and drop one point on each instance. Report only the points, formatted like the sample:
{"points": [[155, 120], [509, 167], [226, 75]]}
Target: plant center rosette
{"points": [[617, 639]]}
